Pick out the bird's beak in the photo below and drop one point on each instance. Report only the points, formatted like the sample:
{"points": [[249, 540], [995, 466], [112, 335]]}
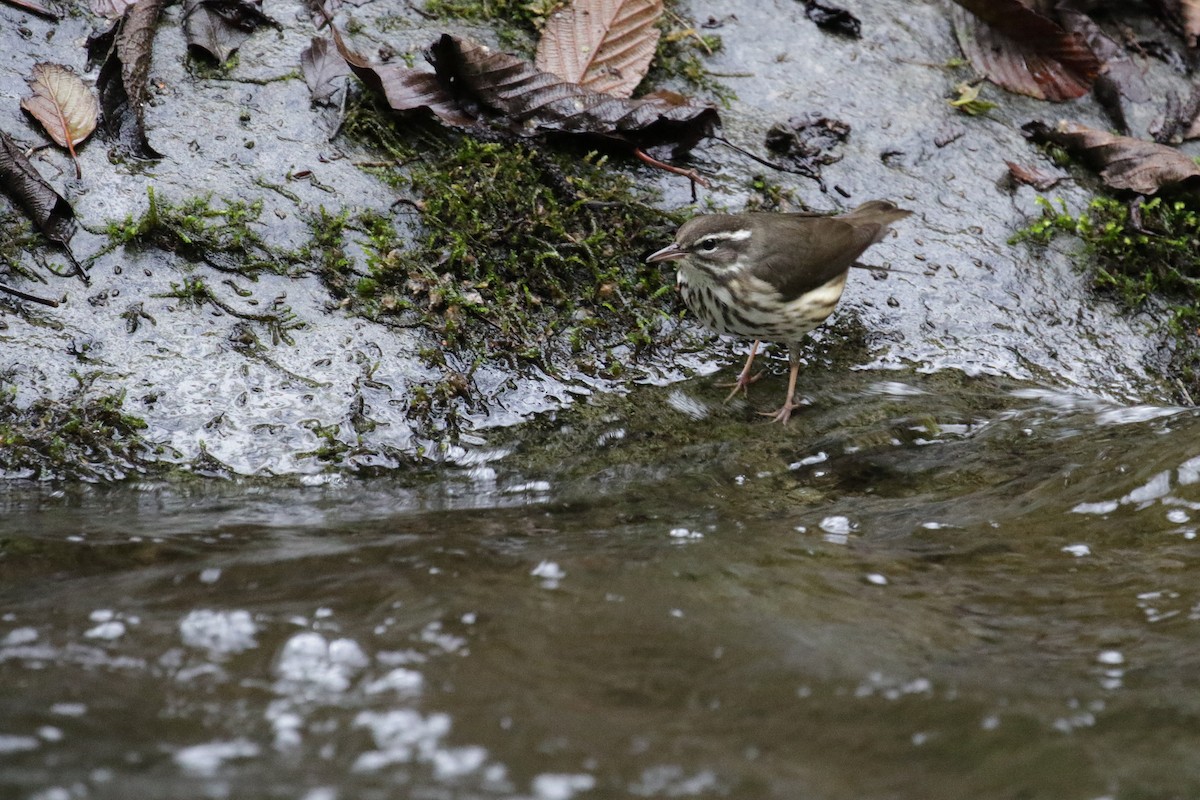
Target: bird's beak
{"points": [[671, 252]]}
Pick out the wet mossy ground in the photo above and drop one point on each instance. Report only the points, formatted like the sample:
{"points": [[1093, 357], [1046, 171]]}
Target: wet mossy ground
{"points": [[1146, 255], [85, 436], [512, 251]]}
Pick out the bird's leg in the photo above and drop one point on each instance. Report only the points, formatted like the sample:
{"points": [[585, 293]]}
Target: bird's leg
{"points": [[784, 413], [742, 384]]}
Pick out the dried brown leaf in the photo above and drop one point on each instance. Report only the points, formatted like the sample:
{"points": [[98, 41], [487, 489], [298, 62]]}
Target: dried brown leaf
{"points": [[602, 45], [62, 102], [1124, 163], [404, 88], [1189, 13], [124, 52], [1032, 176], [324, 69], [52, 214], [1024, 51], [219, 27], [531, 101], [1119, 66]]}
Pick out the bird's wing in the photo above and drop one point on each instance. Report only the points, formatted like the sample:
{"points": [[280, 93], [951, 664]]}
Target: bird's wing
{"points": [[814, 251]]}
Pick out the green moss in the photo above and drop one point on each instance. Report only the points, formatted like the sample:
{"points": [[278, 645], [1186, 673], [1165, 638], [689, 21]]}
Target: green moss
{"points": [[326, 252], [200, 231], [523, 13], [1156, 259], [770, 196], [508, 252], [82, 436], [17, 237], [680, 56]]}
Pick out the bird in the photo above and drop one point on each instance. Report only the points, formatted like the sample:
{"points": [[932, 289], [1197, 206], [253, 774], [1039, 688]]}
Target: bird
{"points": [[772, 276]]}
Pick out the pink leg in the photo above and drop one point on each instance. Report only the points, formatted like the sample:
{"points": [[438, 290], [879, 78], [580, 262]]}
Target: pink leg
{"points": [[784, 413], [742, 384]]}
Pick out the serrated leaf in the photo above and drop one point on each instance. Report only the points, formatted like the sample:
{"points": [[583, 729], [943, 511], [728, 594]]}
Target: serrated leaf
{"points": [[1024, 51], [530, 101], [62, 102], [602, 45]]}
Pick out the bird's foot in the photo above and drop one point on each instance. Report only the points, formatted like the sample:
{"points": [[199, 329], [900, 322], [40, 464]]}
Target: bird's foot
{"points": [[784, 412], [742, 384]]}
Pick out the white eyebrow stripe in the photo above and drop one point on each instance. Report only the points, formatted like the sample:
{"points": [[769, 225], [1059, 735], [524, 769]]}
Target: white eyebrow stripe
{"points": [[733, 236]]}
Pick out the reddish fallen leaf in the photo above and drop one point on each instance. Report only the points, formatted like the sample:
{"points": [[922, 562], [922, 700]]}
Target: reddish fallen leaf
{"points": [[35, 8], [1032, 176], [52, 214], [63, 104], [1124, 163], [324, 69], [1024, 51], [602, 45], [530, 101], [124, 51], [404, 88]]}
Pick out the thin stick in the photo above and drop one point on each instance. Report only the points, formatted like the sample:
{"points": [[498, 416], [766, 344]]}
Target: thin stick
{"points": [[780, 167], [33, 298], [874, 268], [691, 174]]}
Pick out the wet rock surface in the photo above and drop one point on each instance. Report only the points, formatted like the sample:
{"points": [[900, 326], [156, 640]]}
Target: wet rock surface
{"points": [[216, 388]]}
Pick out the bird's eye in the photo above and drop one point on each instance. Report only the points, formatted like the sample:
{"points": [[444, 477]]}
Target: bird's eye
{"points": [[708, 245]]}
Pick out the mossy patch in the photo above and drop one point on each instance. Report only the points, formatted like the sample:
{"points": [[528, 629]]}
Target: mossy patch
{"points": [[201, 230], [505, 252], [1147, 255], [85, 435]]}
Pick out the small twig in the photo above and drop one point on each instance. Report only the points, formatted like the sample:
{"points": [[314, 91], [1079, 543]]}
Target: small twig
{"points": [[773, 165], [33, 298], [877, 268], [419, 11], [690, 30], [690, 174], [79, 272]]}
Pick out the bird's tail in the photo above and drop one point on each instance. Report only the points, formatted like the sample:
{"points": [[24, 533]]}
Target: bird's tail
{"points": [[881, 213]]}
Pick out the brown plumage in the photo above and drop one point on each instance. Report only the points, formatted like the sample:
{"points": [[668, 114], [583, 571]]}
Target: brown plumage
{"points": [[772, 277]]}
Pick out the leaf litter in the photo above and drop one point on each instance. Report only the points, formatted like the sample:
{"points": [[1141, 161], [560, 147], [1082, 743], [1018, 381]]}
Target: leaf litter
{"points": [[605, 46], [124, 53], [63, 104]]}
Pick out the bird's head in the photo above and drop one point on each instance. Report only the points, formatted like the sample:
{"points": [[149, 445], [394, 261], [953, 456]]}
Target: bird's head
{"points": [[714, 243]]}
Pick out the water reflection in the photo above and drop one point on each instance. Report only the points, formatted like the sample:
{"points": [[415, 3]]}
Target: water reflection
{"points": [[918, 590]]}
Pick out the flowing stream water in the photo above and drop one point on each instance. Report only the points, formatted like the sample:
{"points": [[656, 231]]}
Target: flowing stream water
{"points": [[926, 586]]}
